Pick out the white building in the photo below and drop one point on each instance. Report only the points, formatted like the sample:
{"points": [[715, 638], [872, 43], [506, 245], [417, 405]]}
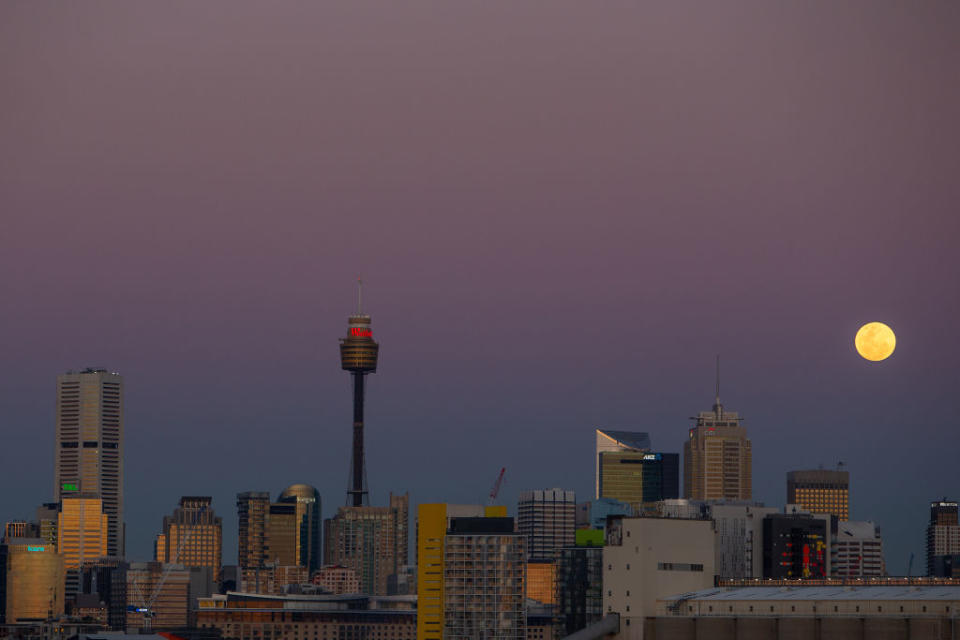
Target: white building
{"points": [[856, 551], [739, 539], [647, 559]]}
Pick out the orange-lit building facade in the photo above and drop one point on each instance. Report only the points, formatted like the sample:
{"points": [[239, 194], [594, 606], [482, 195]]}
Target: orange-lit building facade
{"points": [[337, 580], [192, 536], [171, 607], [820, 491], [31, 580], [718, 458], [542, 581]]}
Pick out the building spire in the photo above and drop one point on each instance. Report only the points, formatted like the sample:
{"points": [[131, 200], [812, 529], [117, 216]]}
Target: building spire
{"points": [[717, 407]]}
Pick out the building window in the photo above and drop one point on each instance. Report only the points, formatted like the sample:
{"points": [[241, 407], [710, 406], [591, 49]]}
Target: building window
{"points": [[628, 595]]}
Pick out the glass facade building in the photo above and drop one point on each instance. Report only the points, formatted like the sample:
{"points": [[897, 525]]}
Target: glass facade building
{"points": [[820, 491]]}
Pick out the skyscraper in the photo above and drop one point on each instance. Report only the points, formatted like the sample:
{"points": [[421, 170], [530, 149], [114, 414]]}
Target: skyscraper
{"points": [[547, 517], [31, 580], [820, 491], [639, 478], [943, 533], [370, 540], [717, 458], [253, 509], [192, 536], [282, 529], [82, 535], [309, 532], [358, 355], [88, 455], [609, 441]]}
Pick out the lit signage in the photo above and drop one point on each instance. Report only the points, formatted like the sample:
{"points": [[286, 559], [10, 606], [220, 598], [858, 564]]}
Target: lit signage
{"points": [[30, 548], [357, 332], [67, 486], [651, 456]]}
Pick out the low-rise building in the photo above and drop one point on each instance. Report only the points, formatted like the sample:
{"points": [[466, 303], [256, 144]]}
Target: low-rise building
{"points": [[856, 550], [337, 580]]}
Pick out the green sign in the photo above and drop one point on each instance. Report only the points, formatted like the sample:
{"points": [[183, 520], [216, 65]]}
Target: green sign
{"points": [[31, 548], [589, 537], [70, 487]]}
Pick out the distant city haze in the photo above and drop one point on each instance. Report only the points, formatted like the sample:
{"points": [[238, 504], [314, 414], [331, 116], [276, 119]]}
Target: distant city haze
{"points": [[562, 211]]}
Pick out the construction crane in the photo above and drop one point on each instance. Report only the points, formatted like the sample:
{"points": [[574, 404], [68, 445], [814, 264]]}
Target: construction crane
{"points": [[146, 605], [496, 485], [910, 566]]}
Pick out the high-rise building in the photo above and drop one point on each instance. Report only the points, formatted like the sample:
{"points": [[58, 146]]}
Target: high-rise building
{"points": [[943, 534], [253, 509], [856, 550], [542, 581], [192, 536], [471, 566], [820, 491], [88, 454], [31, 581], [309, 531], [370, 540], [547, 517], [639, 478], [107, 580], [82, 535], [611, 441], [282, 529], [717, 459], [579, 585], [470, 573], [796, 546], [358, 355]]}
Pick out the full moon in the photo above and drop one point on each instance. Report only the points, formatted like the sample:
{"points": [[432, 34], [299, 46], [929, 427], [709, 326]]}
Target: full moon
{"points": [[875, 341]]}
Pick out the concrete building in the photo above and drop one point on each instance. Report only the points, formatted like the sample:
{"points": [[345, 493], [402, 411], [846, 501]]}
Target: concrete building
{"points": [[548, 519], [717, 457], [246, 616], [192, 536], [853, 610], [88, 448], [31, 581], [646, 559], [739, 538], [82, 535], [337, 580], [820, 491], [470, 573], [309, 548], [610, 441], [856, 550], [370, 540], [273, 579], [796, 546], [47, 519], [943, 533], [593, 514]]}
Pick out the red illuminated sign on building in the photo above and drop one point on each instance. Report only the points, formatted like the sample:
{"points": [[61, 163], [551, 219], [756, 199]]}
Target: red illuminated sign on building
{"points": [[361, 333]]}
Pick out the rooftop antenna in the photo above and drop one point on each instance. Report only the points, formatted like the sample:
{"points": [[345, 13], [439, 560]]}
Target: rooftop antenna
{"points": [[717, 407]]}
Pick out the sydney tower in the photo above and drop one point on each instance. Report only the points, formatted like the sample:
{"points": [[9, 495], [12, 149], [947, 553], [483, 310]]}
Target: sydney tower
{"points": [[358, 355]]}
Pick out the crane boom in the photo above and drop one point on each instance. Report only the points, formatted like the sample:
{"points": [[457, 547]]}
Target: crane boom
{"points": [[496, 485]]}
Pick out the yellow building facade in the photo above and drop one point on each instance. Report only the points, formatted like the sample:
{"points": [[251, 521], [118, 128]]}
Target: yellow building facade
{"points": [[34, 577], [82, 528]]}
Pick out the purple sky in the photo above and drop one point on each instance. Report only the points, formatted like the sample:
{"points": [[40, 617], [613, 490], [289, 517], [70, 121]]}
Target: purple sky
{"points": [[562, 210]]}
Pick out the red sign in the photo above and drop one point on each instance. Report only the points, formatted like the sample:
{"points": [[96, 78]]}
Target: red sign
{"points": [[361, 333]]}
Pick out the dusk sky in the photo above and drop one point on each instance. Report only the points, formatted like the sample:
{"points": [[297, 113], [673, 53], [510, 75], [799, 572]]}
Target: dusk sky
{"points": [[562, 211]]}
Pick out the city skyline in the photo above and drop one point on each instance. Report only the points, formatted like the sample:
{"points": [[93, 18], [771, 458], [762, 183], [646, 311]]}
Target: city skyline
{"points": [[193, 213]]}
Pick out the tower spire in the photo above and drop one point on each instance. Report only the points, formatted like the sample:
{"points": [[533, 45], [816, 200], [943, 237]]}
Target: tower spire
{"points": [[717, 407]]}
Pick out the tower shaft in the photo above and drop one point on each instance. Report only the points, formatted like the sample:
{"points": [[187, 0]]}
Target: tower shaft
{"points": [[358, 490]]}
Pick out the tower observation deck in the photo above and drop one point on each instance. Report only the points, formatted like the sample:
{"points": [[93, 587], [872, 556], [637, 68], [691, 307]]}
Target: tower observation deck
{"points": [[358, 355]]}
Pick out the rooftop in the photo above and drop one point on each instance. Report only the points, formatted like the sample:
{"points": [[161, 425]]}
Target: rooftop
{"points": [[865, 592]]}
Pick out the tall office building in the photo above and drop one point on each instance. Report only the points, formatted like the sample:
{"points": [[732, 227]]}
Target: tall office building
{"points": [[253, 509], [639, 478], [370, 540], [470, 573], [168, 587], [88, 455], [820, 491], [943, 534], [796, 545], [717, 458], [358, 355], [611, 441], [282, 528], [309, 552], [82, 535], [547, 517], [192, 536], [31, 581]]}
